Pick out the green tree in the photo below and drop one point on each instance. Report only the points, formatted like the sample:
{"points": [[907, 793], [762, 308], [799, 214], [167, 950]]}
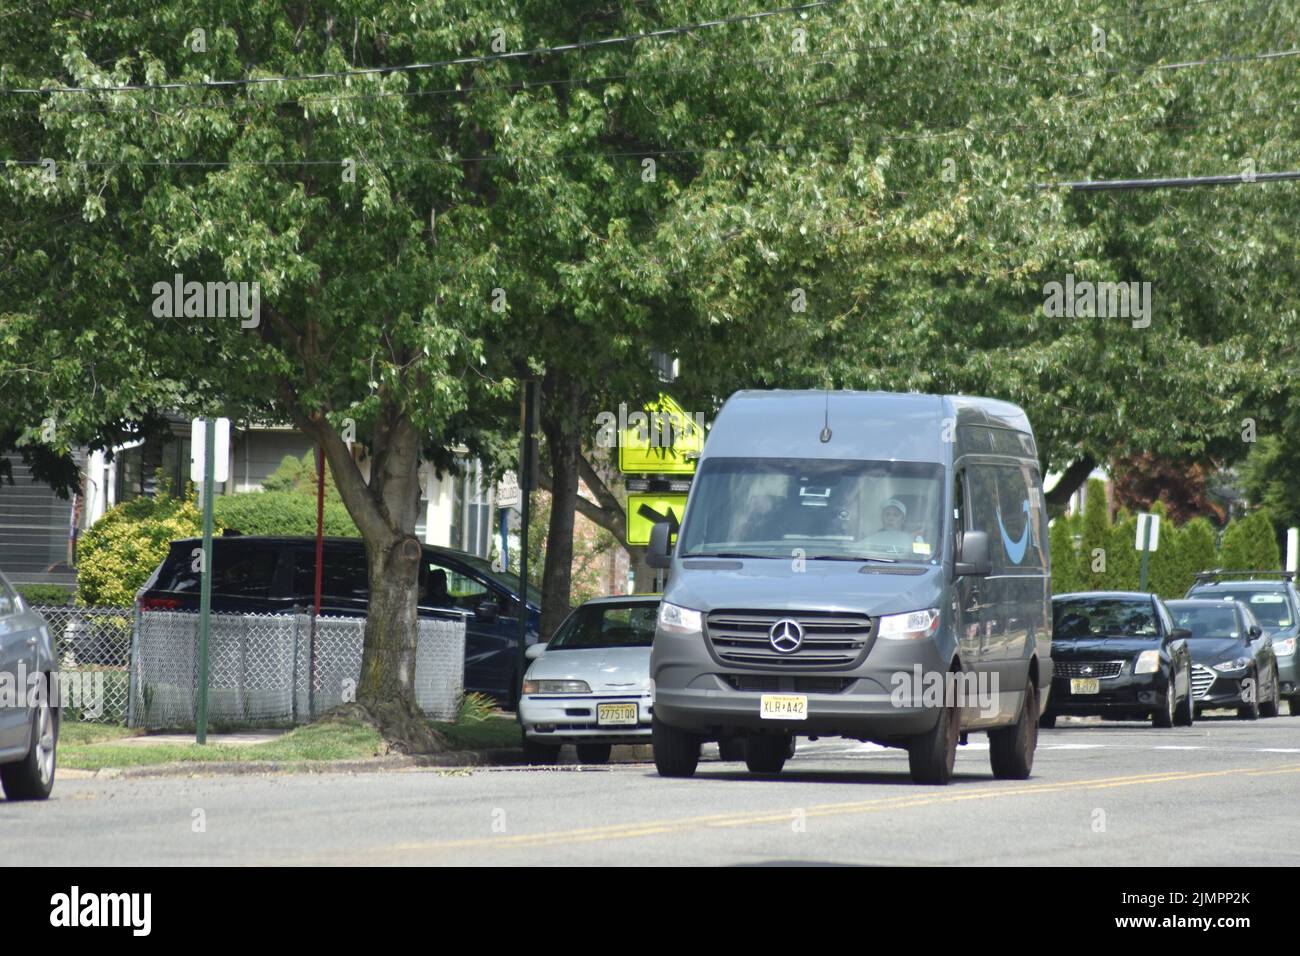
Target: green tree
{"points": [[1066, 574], [1094, 547], [1196, 552], [1123, 563]]}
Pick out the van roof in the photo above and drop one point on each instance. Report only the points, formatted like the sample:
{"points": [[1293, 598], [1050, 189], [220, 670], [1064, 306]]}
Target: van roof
{"points": [[864, 425]]}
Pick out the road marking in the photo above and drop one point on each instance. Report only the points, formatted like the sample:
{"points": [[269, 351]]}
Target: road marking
{"points": [[631, 830], [1177, 747]]}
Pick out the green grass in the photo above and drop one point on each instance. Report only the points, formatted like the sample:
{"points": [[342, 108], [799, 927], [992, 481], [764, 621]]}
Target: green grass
{"points": [[491, 733], [95, 746], [325, 740]]}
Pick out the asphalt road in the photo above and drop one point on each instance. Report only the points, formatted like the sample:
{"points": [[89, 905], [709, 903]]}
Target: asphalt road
{"points": [[1221, 793]]}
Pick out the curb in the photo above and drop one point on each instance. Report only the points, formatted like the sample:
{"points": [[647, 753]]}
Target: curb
{"points": [[458, 758]]}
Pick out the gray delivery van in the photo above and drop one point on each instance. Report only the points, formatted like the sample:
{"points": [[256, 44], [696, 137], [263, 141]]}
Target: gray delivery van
{"points": [[859, 564]]}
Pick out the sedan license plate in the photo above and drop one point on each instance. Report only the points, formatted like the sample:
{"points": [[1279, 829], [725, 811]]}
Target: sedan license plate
{"points": [[616, 715], [1085, 685], [783, 707]]}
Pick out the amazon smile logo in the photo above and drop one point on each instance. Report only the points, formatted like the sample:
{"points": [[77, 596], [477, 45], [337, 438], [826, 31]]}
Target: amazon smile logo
{"points": [[1015, 549]]}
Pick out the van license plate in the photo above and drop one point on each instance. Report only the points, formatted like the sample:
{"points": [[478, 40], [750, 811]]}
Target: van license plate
{"points": [[783, 707], [616, 715], [1085, 685]]}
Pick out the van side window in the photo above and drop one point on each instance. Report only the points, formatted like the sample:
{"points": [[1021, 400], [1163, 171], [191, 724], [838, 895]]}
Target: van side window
{"points": [[1005, 505]]}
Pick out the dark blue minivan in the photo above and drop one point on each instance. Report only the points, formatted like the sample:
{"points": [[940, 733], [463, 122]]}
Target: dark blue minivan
{"points": [[266, 575]]}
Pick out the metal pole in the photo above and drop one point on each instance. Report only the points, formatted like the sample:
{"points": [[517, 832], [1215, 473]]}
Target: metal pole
{"points": [[320, 568], [525, 486], [205, 592]]}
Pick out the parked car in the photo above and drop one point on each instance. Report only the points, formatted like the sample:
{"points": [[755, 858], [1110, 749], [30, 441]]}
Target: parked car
{"points": [[278, 574], [590, 684], [1273, 600], [1119, 655], [29, 729], [1233, 664], [837, 542]]}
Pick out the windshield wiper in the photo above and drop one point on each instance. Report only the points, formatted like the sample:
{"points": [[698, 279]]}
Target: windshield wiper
{"points": [[726, 554], [849, 557]]}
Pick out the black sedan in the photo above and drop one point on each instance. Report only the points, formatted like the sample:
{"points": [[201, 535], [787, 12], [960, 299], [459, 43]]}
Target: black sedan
{"points": [[1118, 654], [1233, 663]]}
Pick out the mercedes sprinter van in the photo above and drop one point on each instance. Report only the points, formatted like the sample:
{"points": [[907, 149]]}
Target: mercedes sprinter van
{"points": [[858, 564]]}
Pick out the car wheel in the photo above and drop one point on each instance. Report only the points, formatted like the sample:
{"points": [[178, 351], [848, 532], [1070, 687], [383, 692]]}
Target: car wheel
{"points": [[1273, 706], [1294, 705], [1250, 710], [593, 753], [32, 778], [766, 753], [932, 756], [1048, 720], [1187, 712], [1011, 749], [731, 749], [677, 753], [1164, 717], [540, 753]]}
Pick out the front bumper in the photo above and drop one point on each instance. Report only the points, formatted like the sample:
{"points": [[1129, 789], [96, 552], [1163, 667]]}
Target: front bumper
{"points": [[697, 693], [1125, 694], [1223, 691], [573, 718]]}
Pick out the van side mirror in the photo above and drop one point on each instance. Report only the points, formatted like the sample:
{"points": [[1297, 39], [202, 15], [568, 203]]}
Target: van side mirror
{"points": [[659, 553], [973, 555]]}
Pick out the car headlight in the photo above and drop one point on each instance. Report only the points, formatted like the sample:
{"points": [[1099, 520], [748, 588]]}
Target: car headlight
{"points": [[556, 687], [675, 619], [1284, 648], [911, 626], [1148, 662], [1227, 667]]}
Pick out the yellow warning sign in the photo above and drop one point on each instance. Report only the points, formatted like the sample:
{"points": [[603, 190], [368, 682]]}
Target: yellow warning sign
{"points": [[662, 440], [646, 510]]}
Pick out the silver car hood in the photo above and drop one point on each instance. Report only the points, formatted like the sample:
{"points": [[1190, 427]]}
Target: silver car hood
{"points": [[625, 669]]}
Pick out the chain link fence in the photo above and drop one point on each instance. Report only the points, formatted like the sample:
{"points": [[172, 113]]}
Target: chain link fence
{"points": [[93, 650], [265, 669]]}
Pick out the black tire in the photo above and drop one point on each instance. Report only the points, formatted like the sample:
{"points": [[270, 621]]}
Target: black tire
{"points": [[1250, 711], [1048, 720], [1293, 704], [1273, 706], [536, 753], [1011, 749], [1164, 717], [731, 749], [1186, 715], [593, 753], [677, 753], [32, 778], [932, 756], [766, 753]]}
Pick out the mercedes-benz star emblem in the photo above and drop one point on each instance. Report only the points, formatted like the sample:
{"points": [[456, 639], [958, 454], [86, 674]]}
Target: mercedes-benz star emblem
{"points": [[786, 635]]}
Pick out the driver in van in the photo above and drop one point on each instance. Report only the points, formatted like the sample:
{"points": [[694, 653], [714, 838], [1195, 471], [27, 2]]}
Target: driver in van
{"points": [[894, 535]]}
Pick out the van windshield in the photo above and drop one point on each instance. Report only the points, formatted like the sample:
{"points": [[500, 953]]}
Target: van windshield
{"points": [[817, 509]]}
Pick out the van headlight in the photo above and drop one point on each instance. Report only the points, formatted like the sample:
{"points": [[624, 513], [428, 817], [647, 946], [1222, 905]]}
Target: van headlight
{"points": [[1148, 662], [674, 619], [911, 626]]}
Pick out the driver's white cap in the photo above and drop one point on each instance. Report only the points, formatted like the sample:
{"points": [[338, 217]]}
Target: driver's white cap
{"points": [[895, 503]]}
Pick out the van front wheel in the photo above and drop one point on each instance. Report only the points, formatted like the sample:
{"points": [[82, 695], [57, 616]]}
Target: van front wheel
{"points": [[1011, 749], [932, 756], [677, 753]]}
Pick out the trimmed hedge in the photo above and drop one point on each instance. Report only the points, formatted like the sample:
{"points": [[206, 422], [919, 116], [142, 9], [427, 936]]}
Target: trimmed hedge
{"points": [[281, 513]]}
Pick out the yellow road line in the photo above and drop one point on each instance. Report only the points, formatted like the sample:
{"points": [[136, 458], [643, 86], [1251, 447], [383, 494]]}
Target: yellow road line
{"points": [[631, 829]]}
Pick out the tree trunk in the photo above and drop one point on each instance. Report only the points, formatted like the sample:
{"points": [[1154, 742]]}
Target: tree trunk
{"points": [[561, 399]]}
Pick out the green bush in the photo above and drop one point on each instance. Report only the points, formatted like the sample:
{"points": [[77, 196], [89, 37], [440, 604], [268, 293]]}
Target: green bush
{"points": [[1250, 544], [1066, 573], [118, 554], [1123, 563], [1095, 546], [281, 513], [45, 595]]}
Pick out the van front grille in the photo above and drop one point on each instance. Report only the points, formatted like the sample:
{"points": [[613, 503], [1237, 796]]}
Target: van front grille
{"points": [[830, 639], [774, 683]]}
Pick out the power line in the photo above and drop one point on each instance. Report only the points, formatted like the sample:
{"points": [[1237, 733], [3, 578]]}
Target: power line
{"points": [[1096, 14], [438, 64], [994, 132], [1174, 182]]}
